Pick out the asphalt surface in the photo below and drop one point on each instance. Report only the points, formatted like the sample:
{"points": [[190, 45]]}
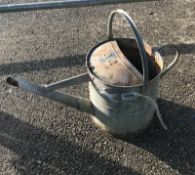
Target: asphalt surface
{"points": [[39, 136]]}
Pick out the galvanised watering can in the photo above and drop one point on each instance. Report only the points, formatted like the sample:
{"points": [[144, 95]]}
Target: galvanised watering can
{"points": [[118, 108]]}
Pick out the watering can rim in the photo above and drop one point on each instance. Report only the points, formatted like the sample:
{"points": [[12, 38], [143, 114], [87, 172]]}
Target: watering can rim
{"points": [[153, 54]]}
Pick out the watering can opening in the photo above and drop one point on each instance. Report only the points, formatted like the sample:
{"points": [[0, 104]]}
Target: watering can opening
{"points": [[130, 50], [117, 62]]}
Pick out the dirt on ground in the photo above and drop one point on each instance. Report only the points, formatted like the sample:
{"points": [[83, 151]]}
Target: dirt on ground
{"points": [[40, 136]]}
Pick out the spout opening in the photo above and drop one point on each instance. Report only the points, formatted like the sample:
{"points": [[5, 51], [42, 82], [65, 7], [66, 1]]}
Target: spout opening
{"points": [[12, 81]]}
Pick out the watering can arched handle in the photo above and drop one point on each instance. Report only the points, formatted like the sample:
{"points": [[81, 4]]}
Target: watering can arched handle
{"points": [[138, 39], [175, 59]]}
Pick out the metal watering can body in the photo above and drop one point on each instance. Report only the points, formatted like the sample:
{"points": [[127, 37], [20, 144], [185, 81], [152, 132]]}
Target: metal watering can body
{"points": [[116, 109], [125, 109]]}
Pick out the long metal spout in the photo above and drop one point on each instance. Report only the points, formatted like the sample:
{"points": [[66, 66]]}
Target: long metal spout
{"points": [[61, 4], [79, 103]]}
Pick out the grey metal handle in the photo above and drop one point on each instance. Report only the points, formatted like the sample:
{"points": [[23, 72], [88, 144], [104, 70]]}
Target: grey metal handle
{"points": [[138, 39], [60, 4], [174, 60]]}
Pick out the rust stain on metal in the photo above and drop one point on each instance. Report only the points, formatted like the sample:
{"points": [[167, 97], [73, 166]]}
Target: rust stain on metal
{"points": [[112, 66]]}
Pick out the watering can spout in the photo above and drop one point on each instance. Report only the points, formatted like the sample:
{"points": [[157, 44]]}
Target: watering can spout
{"points": [[79, 103]]}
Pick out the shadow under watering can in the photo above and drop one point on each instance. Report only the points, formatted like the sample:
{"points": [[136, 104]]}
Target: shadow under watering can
{"points": [[123, 76]]}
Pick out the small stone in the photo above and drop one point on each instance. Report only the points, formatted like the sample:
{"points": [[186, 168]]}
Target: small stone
{"points": [[151, 13], [10, 91]]}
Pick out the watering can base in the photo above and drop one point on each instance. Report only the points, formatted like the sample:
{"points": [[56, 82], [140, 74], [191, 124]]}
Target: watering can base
{"points": [[127, 134], [122, 117]]}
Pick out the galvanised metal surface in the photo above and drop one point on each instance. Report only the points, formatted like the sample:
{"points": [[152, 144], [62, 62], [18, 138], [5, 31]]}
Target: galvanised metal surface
{"points": [[61, 4], [124, 109], [127, 109]]}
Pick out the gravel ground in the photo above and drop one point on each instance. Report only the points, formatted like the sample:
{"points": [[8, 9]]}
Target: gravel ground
{"points": [[39, 136]]}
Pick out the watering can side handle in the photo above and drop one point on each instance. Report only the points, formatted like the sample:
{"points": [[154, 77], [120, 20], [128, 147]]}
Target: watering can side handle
{"points": [[177, 55]]}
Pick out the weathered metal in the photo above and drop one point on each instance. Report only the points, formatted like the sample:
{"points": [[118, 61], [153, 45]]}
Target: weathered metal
{"points": [[114, 108], [61, 4], [110, 64]]}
